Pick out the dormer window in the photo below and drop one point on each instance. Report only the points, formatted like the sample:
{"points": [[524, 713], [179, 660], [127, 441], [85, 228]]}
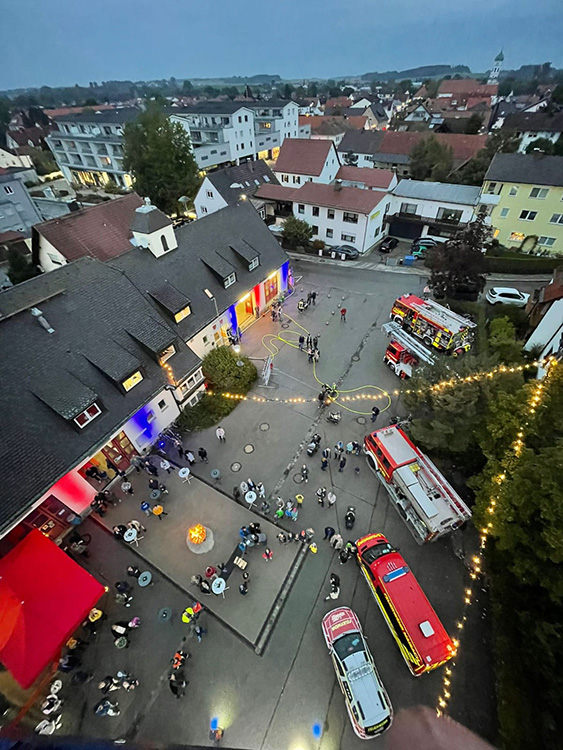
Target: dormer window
{"points": [[87, 415], [254, 263], [229, 280], [183, 313], [132, 381], [170, 351]]}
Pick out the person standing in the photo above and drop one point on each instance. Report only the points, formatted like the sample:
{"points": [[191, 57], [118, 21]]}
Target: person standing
{"points": [[324, 464], [177, 683], [310, 354], [344, 556], [314, 297], [329, 533], [190, 457], [126, 488], [334, 587], [146, 508], [326, 452], [331, 498], [167, 466], [136, 463], [236, 493], [198, 631], [342, 464], [309, 342], [315, 342], [268, 555], [159, 511], [343, 312], [374, 413], [221, 435], [243, 588], [152, 470], [321, 494], [112, 467], [202, 453], [301, 342]]}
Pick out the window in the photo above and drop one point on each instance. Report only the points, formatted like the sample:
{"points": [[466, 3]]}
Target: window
{"points": [[315, 229], [202, 210], [87, 415], [246, 118], [170, 351], [528, 215], [329, 233], [296, 179], [556, 219], [546, 241], [408, 208], [150, 417], [300, 208], [330, 213], [513, 190], [285, 178], [539, 193], [504, 213], [242, 146], [182, 314], [209, 193], [254, 263], [162, 405], [315, 210], [349, 217], [132, 380], [348, 237], [517, 236], [492, 188], [107, 130], [449, 214], [164, 243], [240, 119], [8, 190], [230, 280]]}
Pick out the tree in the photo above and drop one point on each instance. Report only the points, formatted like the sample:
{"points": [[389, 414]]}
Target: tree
{"points": [[473, 173], [540, 144], [19, 267], [459, 262], [473, 125], [188, 88], [312, 89], [350, 159], [287, 91], [43, 161], [4, 114], [404, 86], [297, 232], [432, 85], [502, 340], [557, 95], [430, 160], [159, 157]]}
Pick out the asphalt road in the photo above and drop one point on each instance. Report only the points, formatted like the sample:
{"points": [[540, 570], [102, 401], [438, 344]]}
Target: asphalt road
{"points": [[274, 700]]}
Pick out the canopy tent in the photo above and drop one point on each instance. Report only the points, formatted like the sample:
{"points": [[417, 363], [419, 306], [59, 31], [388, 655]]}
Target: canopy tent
{"points": [[44, 596]]}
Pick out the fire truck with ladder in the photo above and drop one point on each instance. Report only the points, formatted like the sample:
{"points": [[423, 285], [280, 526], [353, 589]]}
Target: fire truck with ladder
{"points": [[434, 324], [423, 497], [404, 352]]}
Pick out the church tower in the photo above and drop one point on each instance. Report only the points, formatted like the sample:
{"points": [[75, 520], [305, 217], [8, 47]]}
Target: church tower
{"points": [[495, 70]]}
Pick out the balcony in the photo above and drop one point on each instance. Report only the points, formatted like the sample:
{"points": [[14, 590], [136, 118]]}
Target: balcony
{"points": [[489, 199]]}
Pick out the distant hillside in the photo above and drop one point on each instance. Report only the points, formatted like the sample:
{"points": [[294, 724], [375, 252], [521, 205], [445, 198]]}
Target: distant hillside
{"points": [[424, 71], [240, 80]]}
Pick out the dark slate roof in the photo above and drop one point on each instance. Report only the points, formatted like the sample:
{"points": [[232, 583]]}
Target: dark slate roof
{"points": [[48, 378], [245, 178], [148, 219], [534, 122], [169, 297], [226, 107], [361, 141], [530, 169], [150, 333], [205, 242], [269, 103], [113, 360], [104, 116]]}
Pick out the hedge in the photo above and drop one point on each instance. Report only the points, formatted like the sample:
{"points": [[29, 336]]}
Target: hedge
{"points": [[522, 264]]}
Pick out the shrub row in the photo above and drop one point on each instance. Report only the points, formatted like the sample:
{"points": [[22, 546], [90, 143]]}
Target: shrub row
{"points": [[522, 264]]}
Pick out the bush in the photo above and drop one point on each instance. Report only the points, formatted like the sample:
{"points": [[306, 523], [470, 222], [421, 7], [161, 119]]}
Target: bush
{"points": [[318, 245], [521, 264], [209, 411]]}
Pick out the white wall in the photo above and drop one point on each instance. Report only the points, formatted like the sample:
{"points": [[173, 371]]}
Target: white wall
{"points": [[549, 331], [210, 337], [49, 257], [12, 160], [208, 200], [240, 133], [528, 137], [429, 209], [142, 432]]}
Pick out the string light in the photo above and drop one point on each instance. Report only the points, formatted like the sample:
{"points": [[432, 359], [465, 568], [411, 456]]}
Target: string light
{"points": [[508, 464], [169, 372]]}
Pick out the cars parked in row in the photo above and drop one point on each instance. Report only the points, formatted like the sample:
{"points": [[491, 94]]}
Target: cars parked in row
{"points": [[341, 252]]}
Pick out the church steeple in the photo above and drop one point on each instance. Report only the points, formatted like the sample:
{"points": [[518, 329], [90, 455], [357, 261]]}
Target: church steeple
{"points": [[495, 70]]}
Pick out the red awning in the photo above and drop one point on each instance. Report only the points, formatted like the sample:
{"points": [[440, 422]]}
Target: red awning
{"points": [[44, 596]]}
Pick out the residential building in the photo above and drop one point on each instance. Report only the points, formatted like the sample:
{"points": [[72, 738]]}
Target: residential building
{"points": [[301, 160], [366, 178], [18, 213], [10, 159], [310, 106], [88, 146], [529, 126], [431, 209], [362, 145], [102, 232], [545, 315], [223, 187], [526, 195], [332, 128], [24, 138], [339, 215], [465, 92], [374, 113]]}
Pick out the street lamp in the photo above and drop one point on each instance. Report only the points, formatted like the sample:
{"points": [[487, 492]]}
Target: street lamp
{"points": [[208, 293]]}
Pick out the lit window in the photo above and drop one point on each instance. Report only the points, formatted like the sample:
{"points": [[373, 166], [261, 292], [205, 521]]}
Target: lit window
{"points": [[167, 353], [230, 280], [150, 417], [517, 236], [546, 241], [254, 263], [182, 314], [540, 193], [132, 381], [528, 215], [87, 416]]}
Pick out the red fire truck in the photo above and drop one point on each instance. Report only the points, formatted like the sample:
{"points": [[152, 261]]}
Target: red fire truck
{"points": [[425, 500], [434, 324], [404, 352]]}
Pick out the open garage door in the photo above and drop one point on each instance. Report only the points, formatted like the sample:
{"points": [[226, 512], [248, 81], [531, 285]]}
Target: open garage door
{"points": [[407, 230]]}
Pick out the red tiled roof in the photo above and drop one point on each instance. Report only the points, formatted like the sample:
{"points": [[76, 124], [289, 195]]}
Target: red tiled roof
{"points": [[303, 156], [101, 232], [463, 147], [22, 137], [345, 198], [323, 124], [467, 86], [372, 178], [10, 236], [338, 101], [274, 192], [75, 110]]}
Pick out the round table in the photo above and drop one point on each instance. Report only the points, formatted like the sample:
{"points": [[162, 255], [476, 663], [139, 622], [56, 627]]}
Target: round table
{"points": [[184, 473], [250, 497], [130, 536], [126, 486], [215, 474], [218, 586], [155, 495], [144, 579]]}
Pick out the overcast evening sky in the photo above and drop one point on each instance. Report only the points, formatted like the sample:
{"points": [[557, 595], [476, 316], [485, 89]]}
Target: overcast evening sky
{"points": [[63, 42]]}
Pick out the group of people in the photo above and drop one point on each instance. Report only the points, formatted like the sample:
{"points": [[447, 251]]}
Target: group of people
{"points": [[276, 311], [310, 344]]}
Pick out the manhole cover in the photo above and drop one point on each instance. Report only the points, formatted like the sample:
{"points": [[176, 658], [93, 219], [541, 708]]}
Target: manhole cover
{"points": [[297, 478], [285, 325], [236, 466], [264, 427], [355, 358], [361, 420], [249, 448]]}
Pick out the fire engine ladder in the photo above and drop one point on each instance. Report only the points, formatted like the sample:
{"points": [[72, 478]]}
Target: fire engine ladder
{"points": [[454, 501], [394, 330], [447, 318]]}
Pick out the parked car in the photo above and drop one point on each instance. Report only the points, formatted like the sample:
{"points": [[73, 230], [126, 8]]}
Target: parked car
{"points": [[507, 296], [348, 251], [367, 702], [421, 245], [388, 244]]}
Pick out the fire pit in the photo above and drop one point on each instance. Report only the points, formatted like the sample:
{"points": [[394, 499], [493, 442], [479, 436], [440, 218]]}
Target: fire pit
{"points": [[199, 539]]}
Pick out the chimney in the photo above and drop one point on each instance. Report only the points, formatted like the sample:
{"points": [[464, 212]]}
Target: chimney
{"points": [[36, 312], [338, 184]]}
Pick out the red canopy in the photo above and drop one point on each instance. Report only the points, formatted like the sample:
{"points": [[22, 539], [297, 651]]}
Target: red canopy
{"points": [[44, 596]]}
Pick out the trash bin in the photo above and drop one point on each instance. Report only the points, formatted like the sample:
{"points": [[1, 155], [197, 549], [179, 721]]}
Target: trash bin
{"points": [[409, 260]]}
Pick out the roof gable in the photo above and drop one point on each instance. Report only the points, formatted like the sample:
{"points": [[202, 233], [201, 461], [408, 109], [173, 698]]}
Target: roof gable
{"points": [[303, 156], [529, 169], [245, 178], [333, 196]]}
